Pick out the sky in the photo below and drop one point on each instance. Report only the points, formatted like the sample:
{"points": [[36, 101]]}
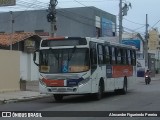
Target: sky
{"points": [[134, 21]]}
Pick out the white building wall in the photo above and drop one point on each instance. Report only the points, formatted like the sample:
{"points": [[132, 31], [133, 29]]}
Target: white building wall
{"points": [[28, 70], [34, 69], [23, 66]]}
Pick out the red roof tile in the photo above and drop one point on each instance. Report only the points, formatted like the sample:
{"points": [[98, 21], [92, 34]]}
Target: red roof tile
{"points": [[5, 39]]}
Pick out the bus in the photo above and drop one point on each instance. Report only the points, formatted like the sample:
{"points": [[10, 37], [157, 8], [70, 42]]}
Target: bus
{"points": [[79, 66]]}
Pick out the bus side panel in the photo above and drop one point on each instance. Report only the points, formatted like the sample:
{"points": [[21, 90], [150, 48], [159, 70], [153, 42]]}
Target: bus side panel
{"points": [[99, 73], [94, 78], [119, 72], [132, 79], [110, 82]]}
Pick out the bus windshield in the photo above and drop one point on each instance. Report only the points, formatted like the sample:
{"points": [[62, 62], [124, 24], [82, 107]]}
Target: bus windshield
{"points": [[71, 60]]}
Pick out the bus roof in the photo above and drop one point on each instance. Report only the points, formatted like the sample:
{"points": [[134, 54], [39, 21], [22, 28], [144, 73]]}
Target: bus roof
{"points": [[93, 40], [112, 43]]}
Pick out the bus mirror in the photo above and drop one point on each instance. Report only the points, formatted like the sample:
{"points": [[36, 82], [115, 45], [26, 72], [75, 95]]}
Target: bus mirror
{"points": [[35, 58]]}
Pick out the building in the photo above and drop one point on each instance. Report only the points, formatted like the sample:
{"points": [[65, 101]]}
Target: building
{"points": [[153, 40], [154, 46], [26, 43], [80, 22], [135, 39]]}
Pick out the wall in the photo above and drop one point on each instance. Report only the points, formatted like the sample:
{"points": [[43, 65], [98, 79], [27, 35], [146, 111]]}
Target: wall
{"points": [[74, 22], [9, 70], [151, 63], [28, 70], [153, 41]]}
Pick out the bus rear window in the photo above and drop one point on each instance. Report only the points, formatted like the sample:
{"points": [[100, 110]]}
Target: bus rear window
{"points": [[64, 42]]}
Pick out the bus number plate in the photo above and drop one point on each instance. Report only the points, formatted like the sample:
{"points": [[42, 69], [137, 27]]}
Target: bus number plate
{"points": [[61, 90]]}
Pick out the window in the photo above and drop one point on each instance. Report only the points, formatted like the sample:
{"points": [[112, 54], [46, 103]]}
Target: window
{"points": [[100, 54], [129, 57], [98, 32], [107, 55], [19, 31], [133, 57], [93, 55], [39, 31], [113, 55], [2, 32], [118, 56], [124, 58]]}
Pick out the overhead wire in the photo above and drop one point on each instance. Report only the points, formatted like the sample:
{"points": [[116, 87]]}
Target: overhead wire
{"points": [[124, 18], [6, 21], [155, 23], [42, 5], [133, 22]]}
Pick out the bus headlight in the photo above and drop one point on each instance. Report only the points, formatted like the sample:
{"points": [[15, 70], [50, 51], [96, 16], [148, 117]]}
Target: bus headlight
{"points": [[83, 82]]}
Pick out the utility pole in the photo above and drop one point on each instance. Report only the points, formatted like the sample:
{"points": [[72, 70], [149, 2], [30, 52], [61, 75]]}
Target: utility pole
{"points": [[146, 42], [51, 17], [122, 12], [11, 35], [120, 21]]}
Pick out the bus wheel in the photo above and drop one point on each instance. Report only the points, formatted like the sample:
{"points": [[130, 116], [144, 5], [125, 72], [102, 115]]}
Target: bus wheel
{"points": [[125, 87], [58, 97], [99, 94]]}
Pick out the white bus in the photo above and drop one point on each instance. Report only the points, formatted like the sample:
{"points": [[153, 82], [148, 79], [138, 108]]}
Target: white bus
{"points": [[75, 65]]}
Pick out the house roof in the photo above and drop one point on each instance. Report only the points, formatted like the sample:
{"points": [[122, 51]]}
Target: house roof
{"points": [[6, 39]]}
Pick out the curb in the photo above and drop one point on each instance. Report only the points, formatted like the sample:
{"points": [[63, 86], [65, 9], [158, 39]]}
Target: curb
{"points": [[24, 99]]}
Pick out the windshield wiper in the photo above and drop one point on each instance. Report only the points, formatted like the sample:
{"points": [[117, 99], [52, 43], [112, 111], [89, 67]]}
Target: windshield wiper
{"points": [[73, 51]]}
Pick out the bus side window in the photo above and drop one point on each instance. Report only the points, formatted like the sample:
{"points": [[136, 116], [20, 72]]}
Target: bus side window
{"points": [[129, 57], [113, 56], [110, 54], [100, 54], [93, 55], [133, 57], [119, 56], [135, 62], [125, 58], [107, 55]]}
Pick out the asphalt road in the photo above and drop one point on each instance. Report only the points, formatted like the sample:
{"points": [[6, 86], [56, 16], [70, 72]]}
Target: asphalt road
{"points": [[142, 98]]}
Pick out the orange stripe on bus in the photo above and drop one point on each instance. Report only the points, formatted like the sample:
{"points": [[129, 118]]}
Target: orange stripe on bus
{"points": [[54, 82], [121, 71]]}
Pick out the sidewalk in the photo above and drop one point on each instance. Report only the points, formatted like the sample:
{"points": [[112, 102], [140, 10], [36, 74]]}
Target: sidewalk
{"points": [[18, 96]]}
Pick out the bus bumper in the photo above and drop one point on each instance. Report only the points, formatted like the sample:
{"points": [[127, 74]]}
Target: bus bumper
{"points": [[80, 89]]}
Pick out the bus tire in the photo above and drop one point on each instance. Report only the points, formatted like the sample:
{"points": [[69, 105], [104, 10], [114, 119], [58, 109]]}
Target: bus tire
{"points": [[58, 97], [125, 87], [99, 94]]}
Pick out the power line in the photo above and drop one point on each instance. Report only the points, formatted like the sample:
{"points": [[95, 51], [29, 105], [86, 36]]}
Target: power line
{"points": [[133, 22], [87, 17], [38, 4], [155, 23], [139, 28]]}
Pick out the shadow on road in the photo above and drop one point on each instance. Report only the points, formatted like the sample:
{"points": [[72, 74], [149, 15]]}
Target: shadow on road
{"points": [[85, 98]]}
